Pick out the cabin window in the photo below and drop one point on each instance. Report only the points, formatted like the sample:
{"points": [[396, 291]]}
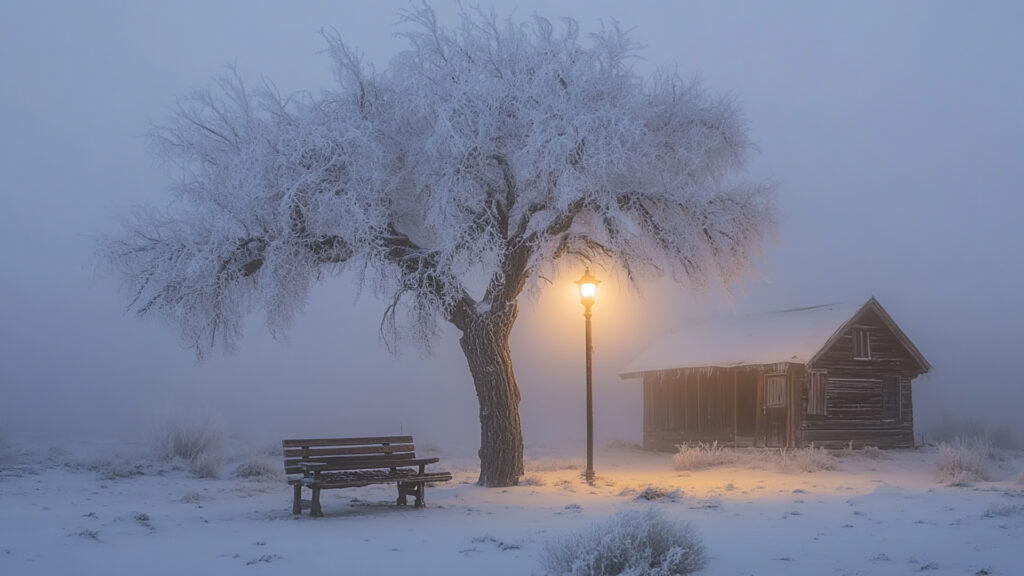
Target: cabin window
{"points": [[861, 344], [891, 397], [774, 391], [816, 391]]}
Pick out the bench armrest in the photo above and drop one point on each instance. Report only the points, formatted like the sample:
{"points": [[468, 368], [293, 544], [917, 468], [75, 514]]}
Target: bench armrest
{"points": [[422, 463]]}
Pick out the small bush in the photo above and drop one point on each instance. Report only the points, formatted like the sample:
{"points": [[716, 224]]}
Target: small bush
{"points": [[963, 461], [701, 456], [205, 465], [255, 469], [652, 493], [807, 460], [1020, 479], [1005, 510], [634, 543], [116, 468], [186, 438], [195, 440], [532, 480]]}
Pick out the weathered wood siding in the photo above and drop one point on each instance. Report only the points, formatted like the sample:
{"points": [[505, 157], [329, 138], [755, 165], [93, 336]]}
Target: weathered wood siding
{"points": [[688, 406], [854, 392]]}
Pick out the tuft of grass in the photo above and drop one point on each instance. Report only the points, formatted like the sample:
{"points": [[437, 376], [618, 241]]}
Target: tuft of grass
{"points": [[658, 493], [532, 480], [255, 470], [192, 439], [997, 511], [634, 542], [964, 460], [806, 460], [701, 456], [205, 465], [116, 468]]}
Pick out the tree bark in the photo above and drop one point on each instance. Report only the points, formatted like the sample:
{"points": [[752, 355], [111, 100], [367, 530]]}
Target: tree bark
{"points": [[485, 344]]}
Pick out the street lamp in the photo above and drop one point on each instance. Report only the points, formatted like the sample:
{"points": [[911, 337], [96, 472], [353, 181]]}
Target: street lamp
{"points": [[588, 292]]}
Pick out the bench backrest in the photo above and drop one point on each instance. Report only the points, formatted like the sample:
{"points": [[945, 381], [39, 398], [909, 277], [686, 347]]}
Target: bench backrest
{"points": [[348, 453]]}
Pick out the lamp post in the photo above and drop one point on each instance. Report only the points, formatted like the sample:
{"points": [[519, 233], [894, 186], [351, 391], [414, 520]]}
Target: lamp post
{"points": [[588, 292]]}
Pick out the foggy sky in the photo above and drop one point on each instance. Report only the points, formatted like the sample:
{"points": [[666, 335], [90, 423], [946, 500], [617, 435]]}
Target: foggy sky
{"points": [[893, 130]]}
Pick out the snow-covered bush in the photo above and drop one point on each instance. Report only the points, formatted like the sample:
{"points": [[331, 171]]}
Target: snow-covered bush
{"points": [[255, 470], [700, 456], [806, 460], [194, 439], [116, 467], [964, 460], [634, 543], [206, 465], [652, 493]]}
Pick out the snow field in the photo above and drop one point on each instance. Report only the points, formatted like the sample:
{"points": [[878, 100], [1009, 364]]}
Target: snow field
{"points": [[93, 508]]}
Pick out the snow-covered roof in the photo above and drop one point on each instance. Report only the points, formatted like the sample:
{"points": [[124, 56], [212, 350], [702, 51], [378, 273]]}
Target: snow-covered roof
{"points": [[794, 335]]}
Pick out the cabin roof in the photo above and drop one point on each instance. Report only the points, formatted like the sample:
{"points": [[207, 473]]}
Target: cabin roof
{"points": [[796, 335]]}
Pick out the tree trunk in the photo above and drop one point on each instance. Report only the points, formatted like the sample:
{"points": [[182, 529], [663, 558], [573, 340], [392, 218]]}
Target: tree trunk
{"points": [[485, 344]]}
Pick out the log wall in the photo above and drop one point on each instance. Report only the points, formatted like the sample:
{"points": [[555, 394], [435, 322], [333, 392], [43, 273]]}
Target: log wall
{"points": [[853, 402]]}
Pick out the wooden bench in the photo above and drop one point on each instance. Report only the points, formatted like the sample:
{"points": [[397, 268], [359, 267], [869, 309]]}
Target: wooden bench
{"points": [[327, 463]]}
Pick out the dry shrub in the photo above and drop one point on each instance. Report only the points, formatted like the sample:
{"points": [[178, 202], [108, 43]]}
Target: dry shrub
{"points": [[532, 480], [1002, 511], [206, 465], [193, 439], [701, 456], [255, 470], [964, 460], [1020, 479], [806, 460], [635, 542]]}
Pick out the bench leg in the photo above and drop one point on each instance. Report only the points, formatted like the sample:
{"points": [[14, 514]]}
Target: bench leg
{"points": [[410, 488], [297, 502], [314, 509], [420, 489]]}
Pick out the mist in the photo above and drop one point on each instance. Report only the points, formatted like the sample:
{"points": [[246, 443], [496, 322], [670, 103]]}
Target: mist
{"points": [[894, 134]]}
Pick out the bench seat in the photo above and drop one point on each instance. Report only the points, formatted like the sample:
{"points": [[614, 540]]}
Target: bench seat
{"points": [[331, 463]]}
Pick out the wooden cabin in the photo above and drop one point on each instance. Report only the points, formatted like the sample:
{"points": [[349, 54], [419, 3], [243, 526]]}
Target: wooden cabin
{"points": [[830, 375]]}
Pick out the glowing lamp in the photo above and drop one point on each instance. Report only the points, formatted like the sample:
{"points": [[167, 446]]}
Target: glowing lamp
{"points": [[588, 288]]}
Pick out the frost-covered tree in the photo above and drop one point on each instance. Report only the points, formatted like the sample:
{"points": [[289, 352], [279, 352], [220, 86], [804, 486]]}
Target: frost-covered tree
{"points": [[484, 158]]}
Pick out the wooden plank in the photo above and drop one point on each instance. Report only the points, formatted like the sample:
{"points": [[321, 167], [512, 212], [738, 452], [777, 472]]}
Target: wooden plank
{"points": [[298, 443], [348, 450], [369, 464]]}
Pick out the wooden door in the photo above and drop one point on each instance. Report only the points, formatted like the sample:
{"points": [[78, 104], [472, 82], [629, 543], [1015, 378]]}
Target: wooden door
{"points": [[774, 409]]}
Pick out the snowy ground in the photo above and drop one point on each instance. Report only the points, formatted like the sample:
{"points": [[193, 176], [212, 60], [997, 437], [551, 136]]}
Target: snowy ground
{"points": [[95, 509]]}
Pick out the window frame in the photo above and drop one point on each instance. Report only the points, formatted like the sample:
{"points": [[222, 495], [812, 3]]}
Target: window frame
{"points": [[892, 410], [861, 343], [778, 399]]}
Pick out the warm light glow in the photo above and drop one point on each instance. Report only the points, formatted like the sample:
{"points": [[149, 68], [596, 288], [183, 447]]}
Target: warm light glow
{"points": [[588, 288]]}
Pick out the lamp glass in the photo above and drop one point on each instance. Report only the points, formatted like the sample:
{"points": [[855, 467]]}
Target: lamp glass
{"points": [[588, 288]]}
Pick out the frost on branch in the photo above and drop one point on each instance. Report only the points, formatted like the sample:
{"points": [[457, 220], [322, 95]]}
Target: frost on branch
{"points": [[486, 154]]}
